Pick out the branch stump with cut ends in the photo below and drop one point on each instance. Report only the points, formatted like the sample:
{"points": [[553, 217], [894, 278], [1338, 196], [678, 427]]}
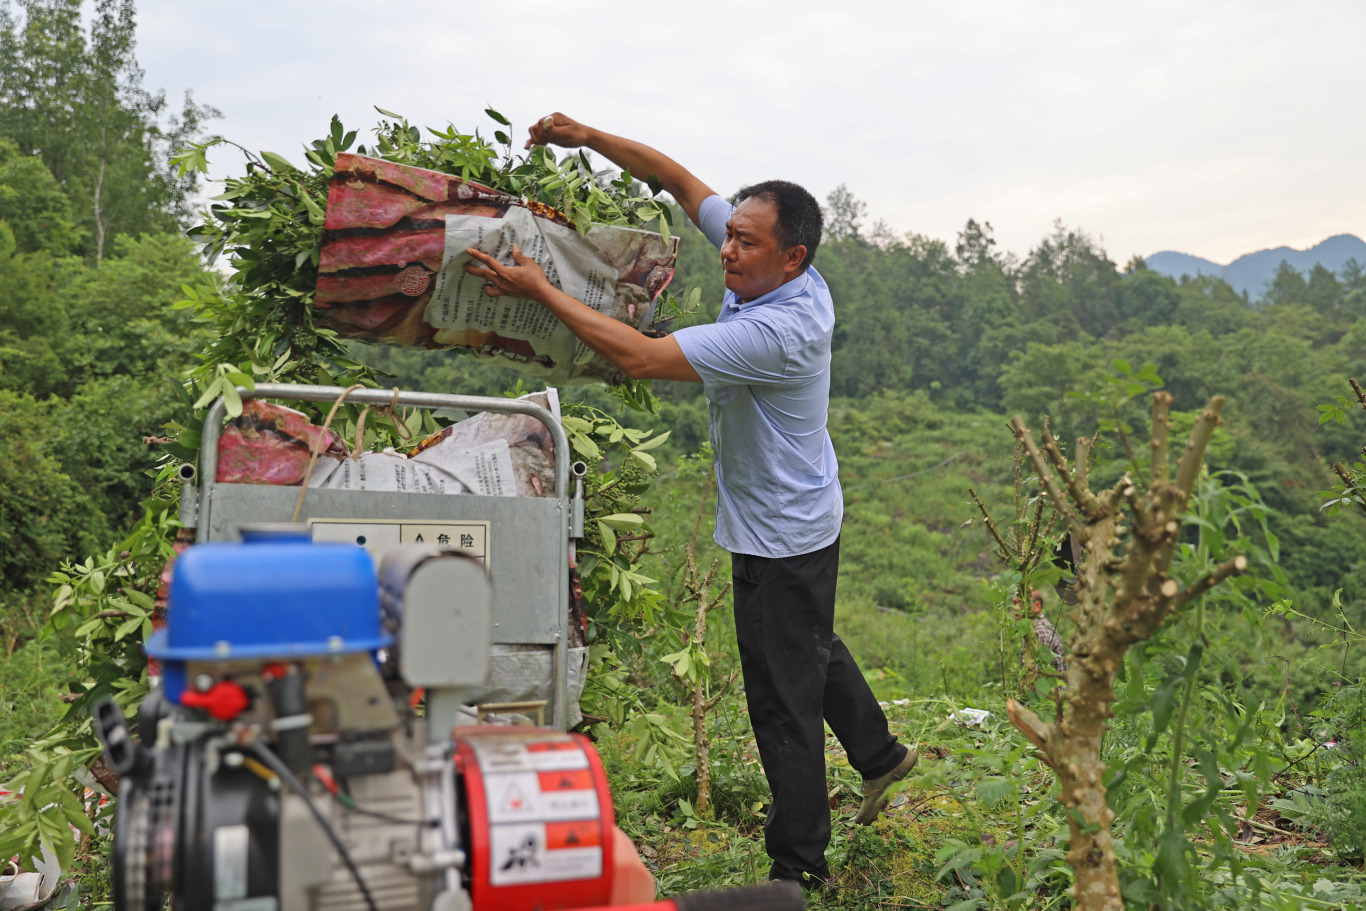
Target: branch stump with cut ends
{"points": [[1128, 534]]}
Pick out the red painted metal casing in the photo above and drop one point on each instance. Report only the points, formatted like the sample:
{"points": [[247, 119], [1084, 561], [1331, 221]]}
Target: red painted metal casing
{"points": [[540, 819]]}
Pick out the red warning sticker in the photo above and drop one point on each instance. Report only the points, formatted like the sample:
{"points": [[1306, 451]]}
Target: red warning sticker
{"points": [[564, 754], [567, 780], [578, 834]]}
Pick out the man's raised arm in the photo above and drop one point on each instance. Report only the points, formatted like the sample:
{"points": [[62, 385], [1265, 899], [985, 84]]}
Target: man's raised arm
{"points": [[643, 162]]}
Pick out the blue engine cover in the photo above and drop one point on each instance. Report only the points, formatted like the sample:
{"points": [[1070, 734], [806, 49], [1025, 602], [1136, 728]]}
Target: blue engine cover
{"points": [[274, 598]]}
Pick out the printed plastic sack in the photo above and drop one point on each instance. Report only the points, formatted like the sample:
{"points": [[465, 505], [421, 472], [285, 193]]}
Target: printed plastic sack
{"points": [[391, 269]]}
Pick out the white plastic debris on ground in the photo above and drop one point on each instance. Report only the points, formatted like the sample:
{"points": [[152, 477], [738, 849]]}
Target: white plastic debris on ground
{"points": [[970, 717]]}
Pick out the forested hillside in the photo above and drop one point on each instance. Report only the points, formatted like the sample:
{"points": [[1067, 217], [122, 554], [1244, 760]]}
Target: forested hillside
{"points": [[92, 254], [1234, 755]]}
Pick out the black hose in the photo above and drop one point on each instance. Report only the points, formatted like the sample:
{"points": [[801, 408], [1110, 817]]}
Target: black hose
{"points": [[276, 765], [779, 895], [291, 717]]}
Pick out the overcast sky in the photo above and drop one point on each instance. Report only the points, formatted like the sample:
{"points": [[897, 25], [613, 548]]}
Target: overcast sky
{"points": [[1214, 128]]}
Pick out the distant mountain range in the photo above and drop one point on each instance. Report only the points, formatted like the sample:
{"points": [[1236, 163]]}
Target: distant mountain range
{"points": [[1251, 271]]}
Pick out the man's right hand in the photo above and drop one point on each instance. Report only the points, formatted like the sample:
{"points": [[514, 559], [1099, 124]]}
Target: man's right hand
{"points": [[643, 162], [559, 130]]}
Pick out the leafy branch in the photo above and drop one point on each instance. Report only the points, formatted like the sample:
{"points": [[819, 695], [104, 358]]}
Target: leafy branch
{"points": [[269, 223]]}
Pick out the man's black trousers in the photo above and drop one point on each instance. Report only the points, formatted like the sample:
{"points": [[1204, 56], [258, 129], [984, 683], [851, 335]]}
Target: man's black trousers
{"points": [[798, 674]]}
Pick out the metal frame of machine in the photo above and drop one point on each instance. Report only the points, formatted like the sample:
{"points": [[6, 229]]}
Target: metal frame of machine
{"points": [[278, 766], [529, 537]]}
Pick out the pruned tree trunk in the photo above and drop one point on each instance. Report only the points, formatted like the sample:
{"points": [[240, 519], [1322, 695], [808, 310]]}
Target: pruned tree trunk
{"points": [[1023, 549], [1124, 593], [701, 704]]}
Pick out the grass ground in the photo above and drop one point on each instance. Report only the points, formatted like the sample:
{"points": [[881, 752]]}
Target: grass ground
{"points": [[30, 702], [918, 608], [946, 833]]}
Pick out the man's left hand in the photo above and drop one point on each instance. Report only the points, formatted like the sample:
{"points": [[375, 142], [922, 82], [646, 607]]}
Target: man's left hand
{"points": [[524, 279]]}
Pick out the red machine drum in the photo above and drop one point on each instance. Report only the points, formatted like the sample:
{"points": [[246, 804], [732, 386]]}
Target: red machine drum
{"points": [[540, 819]]}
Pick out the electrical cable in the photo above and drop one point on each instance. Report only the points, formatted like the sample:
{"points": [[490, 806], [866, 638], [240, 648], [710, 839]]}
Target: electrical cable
{"points": [[348, 804], [277, 766]]}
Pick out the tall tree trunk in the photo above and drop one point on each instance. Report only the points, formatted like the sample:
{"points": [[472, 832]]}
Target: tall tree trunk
{"points": [[99, 215]]}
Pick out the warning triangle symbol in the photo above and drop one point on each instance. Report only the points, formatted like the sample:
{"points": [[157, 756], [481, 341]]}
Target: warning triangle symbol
{"points": [[572, 838], [566, 783], [419, 536]]}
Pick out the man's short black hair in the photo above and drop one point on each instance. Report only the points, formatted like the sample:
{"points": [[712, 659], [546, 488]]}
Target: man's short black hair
{"points": [[799, 215]]}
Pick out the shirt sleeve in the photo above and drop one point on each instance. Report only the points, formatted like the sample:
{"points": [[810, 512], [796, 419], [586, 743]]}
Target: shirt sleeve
{"points": [[712, 216], [737, 352]]}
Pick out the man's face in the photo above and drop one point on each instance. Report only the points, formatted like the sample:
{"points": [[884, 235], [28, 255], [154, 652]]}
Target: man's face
{"points": [[753, 260]]}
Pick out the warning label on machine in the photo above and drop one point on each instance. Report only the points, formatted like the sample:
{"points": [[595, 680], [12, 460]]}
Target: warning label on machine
{"points": [[506, 754], [544, 811], [545, 852], [378, 536], [518, 796]]}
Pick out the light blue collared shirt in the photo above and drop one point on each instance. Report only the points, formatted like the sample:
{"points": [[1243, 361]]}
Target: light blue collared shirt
{"points": [[765, 368]]}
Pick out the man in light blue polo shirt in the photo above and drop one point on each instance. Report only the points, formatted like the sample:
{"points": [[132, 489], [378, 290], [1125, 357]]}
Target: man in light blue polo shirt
{"points": [[765, 368]]}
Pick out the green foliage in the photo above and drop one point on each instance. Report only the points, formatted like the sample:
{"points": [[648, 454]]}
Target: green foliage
{"points": [[89, 353], [1206, 749], [31, 678], [80, 349], [1006, 781], [1342, 808], [77, 348], [1343, 811], [34, 205], [43, 514], [102, 611], [1110, 397], [618, 595], [1069, 283], [1205, 726], [73, 95]]}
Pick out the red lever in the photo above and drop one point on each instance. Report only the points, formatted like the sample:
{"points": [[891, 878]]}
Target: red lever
{"points": [[225, 700]]}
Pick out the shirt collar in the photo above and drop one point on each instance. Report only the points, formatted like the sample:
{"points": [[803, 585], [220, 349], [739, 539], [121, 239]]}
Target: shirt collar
{"points": [[785, 291]]}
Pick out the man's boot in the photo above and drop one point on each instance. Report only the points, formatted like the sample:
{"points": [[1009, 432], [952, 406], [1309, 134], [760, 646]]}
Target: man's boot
{"points": [[875, 789]]}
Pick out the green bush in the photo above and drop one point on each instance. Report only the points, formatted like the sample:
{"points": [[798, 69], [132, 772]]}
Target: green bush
{"points": [[1345, 813]]}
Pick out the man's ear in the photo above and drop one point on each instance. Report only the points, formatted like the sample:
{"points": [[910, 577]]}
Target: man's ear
{"points": [[793, 257]]}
